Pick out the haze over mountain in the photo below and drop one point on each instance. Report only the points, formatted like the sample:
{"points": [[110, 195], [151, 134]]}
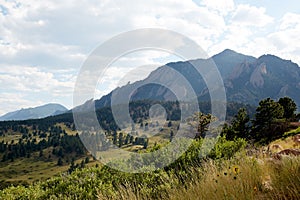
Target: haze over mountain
{"points": [[246, 79], [35, 113]]}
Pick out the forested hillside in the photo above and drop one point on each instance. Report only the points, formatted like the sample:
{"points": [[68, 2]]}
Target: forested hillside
{"points": [[55, 142]]}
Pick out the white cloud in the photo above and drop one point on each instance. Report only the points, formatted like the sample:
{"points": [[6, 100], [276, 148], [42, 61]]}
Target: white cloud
{"points": [[286, 39], [44, 43], [30, 79], [290, 21], [282, 40], [52, 33], [30, 86], [14, 101], [223, 7], [251, 16]]}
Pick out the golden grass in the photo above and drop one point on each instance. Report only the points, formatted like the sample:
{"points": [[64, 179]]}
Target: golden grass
{"points": [[254, 180], [286, 143], [237, 179], [33, 169]]}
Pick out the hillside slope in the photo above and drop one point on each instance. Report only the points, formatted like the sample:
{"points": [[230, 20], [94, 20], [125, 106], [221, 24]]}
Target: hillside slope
{"points": [[35, 113], [246, 79]]}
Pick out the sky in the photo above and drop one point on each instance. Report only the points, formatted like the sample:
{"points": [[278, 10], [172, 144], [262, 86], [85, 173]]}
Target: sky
{"points": [[44, 43]]}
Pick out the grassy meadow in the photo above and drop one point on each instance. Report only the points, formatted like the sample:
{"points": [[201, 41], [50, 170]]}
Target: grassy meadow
{"points": [[49, 161]]}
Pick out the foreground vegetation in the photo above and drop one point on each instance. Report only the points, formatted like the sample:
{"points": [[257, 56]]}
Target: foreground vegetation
{"points": [[235, 168], [240, 177]]}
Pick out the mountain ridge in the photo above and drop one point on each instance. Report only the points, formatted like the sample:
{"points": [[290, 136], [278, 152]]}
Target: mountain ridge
{"points": [[246, 79], [42, 111]]}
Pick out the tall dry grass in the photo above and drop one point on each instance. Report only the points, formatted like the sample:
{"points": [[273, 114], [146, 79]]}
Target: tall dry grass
{"points": [[254, 179], [240, 178]]}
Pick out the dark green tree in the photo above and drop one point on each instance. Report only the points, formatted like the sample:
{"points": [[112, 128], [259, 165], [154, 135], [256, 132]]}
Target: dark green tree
{"points": [[41, 153], [240, 124], [115, 138], [72, 166], [82, 164], [200, 123], [266, 120], [131, 140], [146, 127], [120, 139], [59, 162], [289, 107], [171, 135], [146, 141], [127, 139]]}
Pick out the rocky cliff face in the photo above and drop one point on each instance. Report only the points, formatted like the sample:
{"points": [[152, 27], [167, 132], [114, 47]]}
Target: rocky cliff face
{"points": [[256, 78], [246, 79]]}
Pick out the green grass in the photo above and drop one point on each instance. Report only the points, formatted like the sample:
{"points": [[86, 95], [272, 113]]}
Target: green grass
{"points": [[254, 180], [238, 177], [29, 170], [235, 179], [33, 169], [292, 132], [10, 136]]}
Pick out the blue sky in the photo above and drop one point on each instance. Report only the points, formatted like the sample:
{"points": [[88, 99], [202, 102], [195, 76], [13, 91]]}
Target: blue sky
{"points": [[43, 43]]}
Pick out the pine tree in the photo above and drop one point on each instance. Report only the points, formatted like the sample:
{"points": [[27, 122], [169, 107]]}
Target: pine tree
{"points": [[121, 139], [289, 107], [240, 124], [59, 162], [267, 114], [41, 153], [146, 141], [171, 135]]}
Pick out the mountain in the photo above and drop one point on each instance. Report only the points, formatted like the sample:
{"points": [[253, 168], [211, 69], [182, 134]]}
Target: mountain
{"points": [[247, 80], [267, 76], [35, 113]]}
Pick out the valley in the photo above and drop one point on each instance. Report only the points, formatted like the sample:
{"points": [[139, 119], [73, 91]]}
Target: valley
{"points": [[51, 157]]}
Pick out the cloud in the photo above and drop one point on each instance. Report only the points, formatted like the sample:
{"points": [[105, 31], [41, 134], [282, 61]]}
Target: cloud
{"points": [[286, 39], [61, 34], [223, 7], [32, 86], [290, 21], [44, 43], [282, 40], [251, 16], [14, 101], [30, 79]]}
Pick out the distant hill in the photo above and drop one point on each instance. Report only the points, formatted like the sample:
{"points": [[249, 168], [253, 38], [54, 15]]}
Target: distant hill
{"points": [[35, 113], [247, 80]]}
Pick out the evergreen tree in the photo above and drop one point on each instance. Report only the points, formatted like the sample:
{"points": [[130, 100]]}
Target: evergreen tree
{"points": [[59, 162], [289, 107], [131, 140], [127, 139], [200, 123], [41, 153], [171, 135], [264, 125], [121, 139], [240, 124], [115, 138], [146, 141], [82, 164]]}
